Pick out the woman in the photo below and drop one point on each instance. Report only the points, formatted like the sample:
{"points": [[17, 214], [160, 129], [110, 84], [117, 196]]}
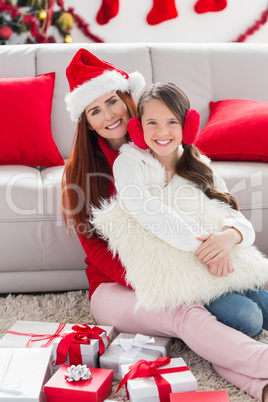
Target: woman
{"points": [[101, 103]]}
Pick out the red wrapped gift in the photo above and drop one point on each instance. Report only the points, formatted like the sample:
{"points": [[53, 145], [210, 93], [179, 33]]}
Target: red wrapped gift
{"points": [[206, 396], [95, 389]]}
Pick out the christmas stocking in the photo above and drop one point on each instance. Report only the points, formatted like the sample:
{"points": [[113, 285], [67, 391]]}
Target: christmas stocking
{"points": [[162, 10], [107, 11], [204, 6]]}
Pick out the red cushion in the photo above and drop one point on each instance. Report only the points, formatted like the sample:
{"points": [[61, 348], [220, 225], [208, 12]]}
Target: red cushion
{"points": [[26, 137], [237, 129]]}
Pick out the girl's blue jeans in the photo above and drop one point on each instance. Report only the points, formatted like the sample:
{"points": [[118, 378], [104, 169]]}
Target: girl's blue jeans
{"points": [[247, 312]]}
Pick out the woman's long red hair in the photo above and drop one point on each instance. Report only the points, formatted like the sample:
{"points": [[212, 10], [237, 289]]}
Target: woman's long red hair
{"points": [[87, 174]]}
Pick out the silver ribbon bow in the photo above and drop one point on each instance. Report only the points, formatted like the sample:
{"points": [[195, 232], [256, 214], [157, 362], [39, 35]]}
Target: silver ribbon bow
{"points": [[77, 373]]}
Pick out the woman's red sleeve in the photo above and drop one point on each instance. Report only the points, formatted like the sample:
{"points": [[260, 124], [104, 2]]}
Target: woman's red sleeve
{"points": [[101, 257]]}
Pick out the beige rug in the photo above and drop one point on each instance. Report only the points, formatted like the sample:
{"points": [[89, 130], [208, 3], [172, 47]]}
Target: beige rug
{"points": [[73, 307]]}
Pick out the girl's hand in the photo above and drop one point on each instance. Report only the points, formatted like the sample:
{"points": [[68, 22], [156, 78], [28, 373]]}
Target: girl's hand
{"points": [[223, 267], [217, 245]]}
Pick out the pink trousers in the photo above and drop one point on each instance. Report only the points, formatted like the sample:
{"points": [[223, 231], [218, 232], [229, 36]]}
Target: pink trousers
{"points": [[239, 359]]}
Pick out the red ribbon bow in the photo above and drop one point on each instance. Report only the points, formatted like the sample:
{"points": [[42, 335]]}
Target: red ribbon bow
{"points": [[71, 343], [144, 368], [40, 337]]}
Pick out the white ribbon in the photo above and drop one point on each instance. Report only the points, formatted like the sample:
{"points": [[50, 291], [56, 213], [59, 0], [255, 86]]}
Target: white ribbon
{"points": [[133, 346], [9, 386], [139, 341]]}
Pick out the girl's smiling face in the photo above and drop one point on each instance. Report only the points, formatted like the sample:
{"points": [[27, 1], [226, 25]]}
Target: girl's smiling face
{"points": [[108, 116], [162, 130]]}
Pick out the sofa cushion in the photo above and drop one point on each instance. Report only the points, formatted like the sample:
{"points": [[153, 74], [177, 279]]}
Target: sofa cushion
{"points": [[26, 137], [236, 130]]}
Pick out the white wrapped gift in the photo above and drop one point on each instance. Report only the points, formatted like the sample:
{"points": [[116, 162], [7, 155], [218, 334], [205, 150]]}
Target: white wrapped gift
{"points": [[33, 334], [144, 389], [23, 373], [36, 334], [129, 348], [89, 352]]}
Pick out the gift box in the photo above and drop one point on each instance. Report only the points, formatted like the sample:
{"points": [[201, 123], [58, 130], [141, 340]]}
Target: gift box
{"points": [[23, 373], [129, 348], [205, 396], [154, 380], [96, 389], [36, 334], [82, 345], [33, 334]]}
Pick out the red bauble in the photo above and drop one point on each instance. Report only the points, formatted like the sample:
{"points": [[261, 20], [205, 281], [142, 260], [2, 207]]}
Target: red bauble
{"points": [[51, 39], [5, 32]]}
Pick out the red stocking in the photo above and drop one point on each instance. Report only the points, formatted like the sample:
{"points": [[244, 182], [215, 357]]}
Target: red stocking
{"points": [[162, 10], [107, 11], [204, 6]]}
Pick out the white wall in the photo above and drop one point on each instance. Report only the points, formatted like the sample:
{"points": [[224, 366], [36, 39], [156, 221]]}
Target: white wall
{"points": [[130, 24]]}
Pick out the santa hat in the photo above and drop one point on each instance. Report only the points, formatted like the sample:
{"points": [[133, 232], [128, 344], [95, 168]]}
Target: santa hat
{"points": [[89, 78]]}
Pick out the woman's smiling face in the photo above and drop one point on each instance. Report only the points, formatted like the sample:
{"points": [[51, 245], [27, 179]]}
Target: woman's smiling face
{"points": [[108, 116]]}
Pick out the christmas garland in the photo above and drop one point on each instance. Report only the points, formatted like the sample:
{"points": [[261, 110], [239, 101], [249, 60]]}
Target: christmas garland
{"points": [[84, 26], [35, 17], [251, 30]]}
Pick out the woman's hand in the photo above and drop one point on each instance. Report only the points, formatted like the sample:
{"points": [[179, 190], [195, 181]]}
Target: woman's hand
{"points": [[217, 245], [223, 267]]}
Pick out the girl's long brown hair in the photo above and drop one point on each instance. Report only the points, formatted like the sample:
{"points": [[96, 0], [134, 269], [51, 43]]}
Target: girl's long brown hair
{"points": [[189, 165], [87, 174]]}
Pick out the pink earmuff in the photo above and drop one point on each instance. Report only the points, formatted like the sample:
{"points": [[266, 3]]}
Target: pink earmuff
{"points": [[189, 133]]}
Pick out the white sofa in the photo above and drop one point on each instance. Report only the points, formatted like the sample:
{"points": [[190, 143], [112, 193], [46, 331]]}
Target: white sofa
{"points": [[37, 253]]}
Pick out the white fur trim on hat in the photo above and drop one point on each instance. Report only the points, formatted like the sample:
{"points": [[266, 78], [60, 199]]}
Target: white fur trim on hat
{"points": [[109, 81]]}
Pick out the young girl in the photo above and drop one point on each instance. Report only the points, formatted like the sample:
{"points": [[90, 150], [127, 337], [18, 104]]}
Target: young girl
{"points": [[100, 101], [171, 200]]}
